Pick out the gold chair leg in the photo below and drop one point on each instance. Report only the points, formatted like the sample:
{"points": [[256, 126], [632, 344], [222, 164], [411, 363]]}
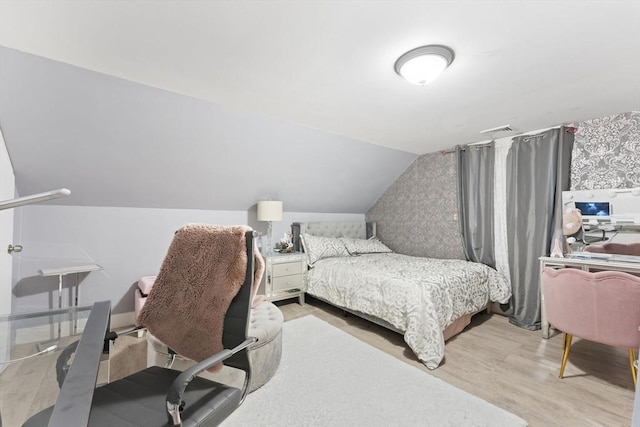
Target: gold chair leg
{"points": [[634, 369], [566, 342]]}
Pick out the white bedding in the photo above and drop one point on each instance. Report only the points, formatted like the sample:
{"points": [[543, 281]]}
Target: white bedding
{"points": [[420, 296]]}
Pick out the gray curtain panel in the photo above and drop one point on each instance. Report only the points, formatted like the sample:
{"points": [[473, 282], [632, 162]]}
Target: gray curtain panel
{"points": [[538, 170], [475, 201]]}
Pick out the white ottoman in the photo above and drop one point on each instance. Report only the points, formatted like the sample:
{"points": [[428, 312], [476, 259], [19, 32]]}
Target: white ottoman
{"points": [[264, 355]]}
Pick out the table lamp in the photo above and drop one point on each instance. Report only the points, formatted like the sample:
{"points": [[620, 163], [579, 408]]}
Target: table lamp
{"points": [[269, 210]]}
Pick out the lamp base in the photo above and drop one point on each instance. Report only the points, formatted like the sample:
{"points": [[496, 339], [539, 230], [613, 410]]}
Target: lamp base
{"points": [[269, 249]]}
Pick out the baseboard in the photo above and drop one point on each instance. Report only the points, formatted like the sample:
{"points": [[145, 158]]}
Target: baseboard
{"points": [[122, 320]]}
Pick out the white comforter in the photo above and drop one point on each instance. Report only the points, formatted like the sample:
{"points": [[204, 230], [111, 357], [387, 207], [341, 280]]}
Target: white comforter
{"points": [[420, 296]]}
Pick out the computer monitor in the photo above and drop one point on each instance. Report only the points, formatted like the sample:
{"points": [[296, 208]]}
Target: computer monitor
{"points": [[594, 210]]}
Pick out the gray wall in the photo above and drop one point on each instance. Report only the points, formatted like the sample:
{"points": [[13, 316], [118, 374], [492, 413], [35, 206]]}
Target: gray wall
{"points": [[127, 242], [417, 215], [141, 162], [114, 142]]}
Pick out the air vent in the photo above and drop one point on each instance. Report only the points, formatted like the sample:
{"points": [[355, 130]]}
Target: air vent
{"points": [[499, 129]]}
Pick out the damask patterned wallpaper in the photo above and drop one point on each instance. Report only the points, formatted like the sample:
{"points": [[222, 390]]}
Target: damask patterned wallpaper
{"points": [[606, 153], [417, 215]]}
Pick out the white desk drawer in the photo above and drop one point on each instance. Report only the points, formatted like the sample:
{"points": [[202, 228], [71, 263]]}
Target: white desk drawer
{"points": [[287, 282], [287, 268]]}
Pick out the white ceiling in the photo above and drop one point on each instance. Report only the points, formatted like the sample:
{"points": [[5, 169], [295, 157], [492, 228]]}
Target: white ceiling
{"points": [[328, 65]]}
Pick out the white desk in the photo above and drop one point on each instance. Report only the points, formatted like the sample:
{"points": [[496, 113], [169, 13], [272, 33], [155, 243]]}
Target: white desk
{"points": [[584, 264]]}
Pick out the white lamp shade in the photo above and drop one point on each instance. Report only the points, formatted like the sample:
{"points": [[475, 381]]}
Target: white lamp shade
{"points": [[269, 210]]}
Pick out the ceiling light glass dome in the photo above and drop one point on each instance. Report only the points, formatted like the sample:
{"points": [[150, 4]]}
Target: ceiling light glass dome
{"points": [[424, 64]]}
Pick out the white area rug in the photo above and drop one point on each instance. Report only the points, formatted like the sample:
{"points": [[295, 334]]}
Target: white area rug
{"points": [[329, 378]]}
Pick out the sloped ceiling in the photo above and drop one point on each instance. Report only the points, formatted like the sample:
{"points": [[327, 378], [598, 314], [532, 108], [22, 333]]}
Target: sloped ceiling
{"points": [[118, 143], [160, 104]]}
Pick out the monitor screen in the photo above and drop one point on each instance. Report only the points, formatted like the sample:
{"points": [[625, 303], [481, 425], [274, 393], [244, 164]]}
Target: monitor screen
{"points": [[594, 209]]}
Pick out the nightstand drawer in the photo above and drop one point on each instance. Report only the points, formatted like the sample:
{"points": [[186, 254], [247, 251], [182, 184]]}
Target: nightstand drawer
{"points": [[287, 282], [287, 268], [285, 276]]}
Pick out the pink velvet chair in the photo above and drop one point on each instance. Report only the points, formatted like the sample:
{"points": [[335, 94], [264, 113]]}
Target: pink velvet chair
{"points": [[603, 307]]}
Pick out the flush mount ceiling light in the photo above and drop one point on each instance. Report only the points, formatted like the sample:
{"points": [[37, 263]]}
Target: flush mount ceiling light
{"points": [[424, 64]]}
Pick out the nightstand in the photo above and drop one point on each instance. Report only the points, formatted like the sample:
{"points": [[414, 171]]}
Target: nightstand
{"points": [[285, 276]]}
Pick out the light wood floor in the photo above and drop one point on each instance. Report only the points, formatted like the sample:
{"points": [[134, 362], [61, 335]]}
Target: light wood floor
{"points": [[513, 368], [507, 366]]}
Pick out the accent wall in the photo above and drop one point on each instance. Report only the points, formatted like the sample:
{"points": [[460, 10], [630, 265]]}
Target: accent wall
{"points": [[606, 153], [418, 214]]}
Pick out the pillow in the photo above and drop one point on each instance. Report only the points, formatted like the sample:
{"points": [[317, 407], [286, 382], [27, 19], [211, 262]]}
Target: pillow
{"points": [[362, 246], [317, 247]]}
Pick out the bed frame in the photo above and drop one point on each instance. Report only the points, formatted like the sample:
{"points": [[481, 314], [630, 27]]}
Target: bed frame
{"points": [[358, 230]]}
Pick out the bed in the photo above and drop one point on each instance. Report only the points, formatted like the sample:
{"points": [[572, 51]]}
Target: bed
{"points": [[427, 300]]}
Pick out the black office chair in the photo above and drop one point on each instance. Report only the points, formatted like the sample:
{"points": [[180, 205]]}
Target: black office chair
{"points": [[159, 396]]}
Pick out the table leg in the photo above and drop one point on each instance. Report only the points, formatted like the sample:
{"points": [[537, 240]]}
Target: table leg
{"points": [[544, 322], [59, 304], [75, 314]]}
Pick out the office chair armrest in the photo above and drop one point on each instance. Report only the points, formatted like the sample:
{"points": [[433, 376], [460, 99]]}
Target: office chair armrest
{"points": [[112, 335], [176, 391]]}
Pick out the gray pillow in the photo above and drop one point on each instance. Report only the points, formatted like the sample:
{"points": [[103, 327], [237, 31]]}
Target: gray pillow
{"points": [[362, 246], [317, 247]]}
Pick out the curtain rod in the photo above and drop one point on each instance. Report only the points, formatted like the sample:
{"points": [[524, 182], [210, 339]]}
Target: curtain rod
{"points": [[570, 129], [464, 147]]}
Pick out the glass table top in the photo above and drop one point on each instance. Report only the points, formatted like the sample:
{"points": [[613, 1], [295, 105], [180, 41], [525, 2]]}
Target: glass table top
{"points": [[37, 352]]}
